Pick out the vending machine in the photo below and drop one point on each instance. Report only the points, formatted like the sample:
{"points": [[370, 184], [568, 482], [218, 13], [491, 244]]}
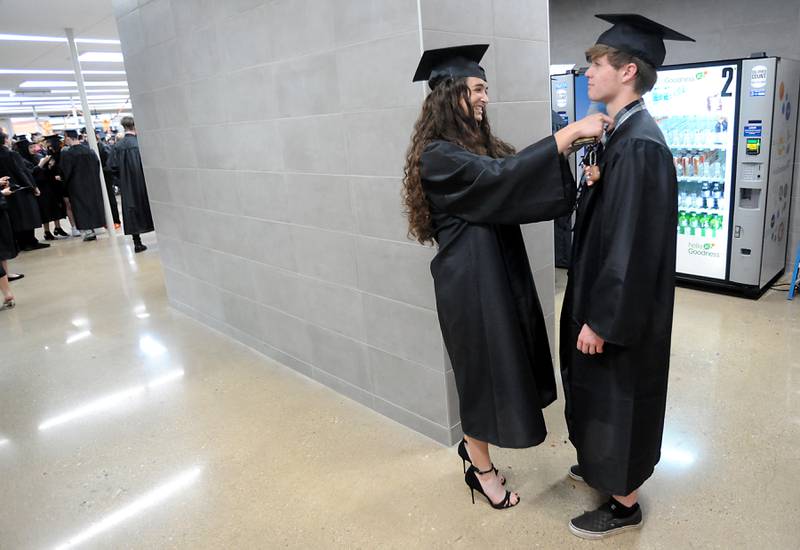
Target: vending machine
{"points": [[569, 101], [731, 127]]}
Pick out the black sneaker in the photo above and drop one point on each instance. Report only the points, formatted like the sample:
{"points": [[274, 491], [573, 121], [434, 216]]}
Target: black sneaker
{"points": [[575, 472], [601, 523]]}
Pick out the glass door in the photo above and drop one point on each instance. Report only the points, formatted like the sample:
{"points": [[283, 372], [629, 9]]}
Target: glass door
{"points": [[695, 108]]}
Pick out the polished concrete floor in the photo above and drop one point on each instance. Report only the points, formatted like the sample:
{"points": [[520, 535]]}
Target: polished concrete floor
{"points": [[125, 424]]}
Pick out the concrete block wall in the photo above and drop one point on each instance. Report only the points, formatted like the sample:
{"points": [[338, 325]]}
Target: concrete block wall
{"points": [[273, 135], [519, 95], [723, 29]]}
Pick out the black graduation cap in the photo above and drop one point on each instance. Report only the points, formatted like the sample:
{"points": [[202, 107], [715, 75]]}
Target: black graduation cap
{"points": [[454, 62], [639, 36], [71, 134], [20, 137]]}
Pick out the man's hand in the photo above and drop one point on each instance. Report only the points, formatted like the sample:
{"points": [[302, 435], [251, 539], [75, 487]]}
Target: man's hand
{"points": [[36, 192], [5, 181], [589, 342], [58, 178]]}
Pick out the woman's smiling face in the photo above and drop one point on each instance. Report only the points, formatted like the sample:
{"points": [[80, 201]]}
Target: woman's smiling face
{"points": [[478, 96]]}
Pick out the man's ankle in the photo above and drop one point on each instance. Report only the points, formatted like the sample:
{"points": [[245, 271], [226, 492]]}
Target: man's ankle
{"points": [[620, 510]]}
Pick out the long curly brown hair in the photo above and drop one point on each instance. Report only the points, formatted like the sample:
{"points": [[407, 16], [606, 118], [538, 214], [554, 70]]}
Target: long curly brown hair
{"points": [[443, 118]]}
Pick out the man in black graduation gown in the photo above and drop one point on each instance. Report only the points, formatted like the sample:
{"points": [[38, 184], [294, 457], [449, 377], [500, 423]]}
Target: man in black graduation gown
{"points": [[81, 169], [616, 321], [126, 163]]}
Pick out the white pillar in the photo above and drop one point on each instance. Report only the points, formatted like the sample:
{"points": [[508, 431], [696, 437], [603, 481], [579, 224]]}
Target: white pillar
{"points": [[36, 119], [87, 119]]}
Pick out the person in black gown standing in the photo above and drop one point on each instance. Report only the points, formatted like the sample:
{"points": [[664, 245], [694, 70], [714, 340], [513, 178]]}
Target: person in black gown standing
{"points": [[126, 164], [468, 192], [8, 245], [51, 206], [616, 321], [80, 167], [22, 207]]}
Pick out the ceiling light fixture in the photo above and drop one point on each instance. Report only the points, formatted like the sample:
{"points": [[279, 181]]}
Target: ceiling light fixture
{"points": [[58, 99], [54, 71], [74, 91], [70, 84], [34, 38], [100, 57]]}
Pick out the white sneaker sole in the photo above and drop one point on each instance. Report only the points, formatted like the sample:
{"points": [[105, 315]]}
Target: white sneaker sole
{"points": [[591, 535], [574, 476]]}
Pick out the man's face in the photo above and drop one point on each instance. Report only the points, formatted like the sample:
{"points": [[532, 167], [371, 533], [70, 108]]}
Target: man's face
{"points": [[604, 80], [478, 96]]}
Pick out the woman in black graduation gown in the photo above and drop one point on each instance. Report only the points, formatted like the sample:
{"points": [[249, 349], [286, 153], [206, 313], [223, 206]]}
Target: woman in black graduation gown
{"points": [[468, 191], [51, 205], [22, 207]]}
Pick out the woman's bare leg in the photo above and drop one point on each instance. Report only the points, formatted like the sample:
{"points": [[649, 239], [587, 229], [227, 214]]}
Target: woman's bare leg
{"points": [[479, 455], [69, 212], [5, 288]]}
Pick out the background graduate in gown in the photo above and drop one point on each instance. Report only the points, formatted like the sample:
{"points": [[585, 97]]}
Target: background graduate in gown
{"points": [[616, 321], [468, 191], [43, 169], [81, 169], [8, 246], [126, 164], [23, 211]]}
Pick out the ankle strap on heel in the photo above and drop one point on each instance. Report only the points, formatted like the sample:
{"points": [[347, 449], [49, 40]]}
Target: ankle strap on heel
{"points": [[490, 470]]}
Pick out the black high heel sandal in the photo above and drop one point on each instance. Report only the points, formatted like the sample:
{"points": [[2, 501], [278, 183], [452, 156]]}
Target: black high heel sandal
{"points": [[474, 484], [462, 452]]}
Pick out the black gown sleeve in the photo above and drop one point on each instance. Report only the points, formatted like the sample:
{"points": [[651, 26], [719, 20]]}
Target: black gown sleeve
{"points": [[66, 165], [639, 213], [534, 185], [112, 162], [22, 175]]}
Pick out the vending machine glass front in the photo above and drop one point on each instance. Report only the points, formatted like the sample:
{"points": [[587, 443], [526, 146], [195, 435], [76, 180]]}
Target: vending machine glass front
{"points": [[695, 108]]}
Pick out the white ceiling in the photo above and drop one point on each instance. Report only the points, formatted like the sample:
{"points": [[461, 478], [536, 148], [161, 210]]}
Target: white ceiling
{"points": [[88, 19]]}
